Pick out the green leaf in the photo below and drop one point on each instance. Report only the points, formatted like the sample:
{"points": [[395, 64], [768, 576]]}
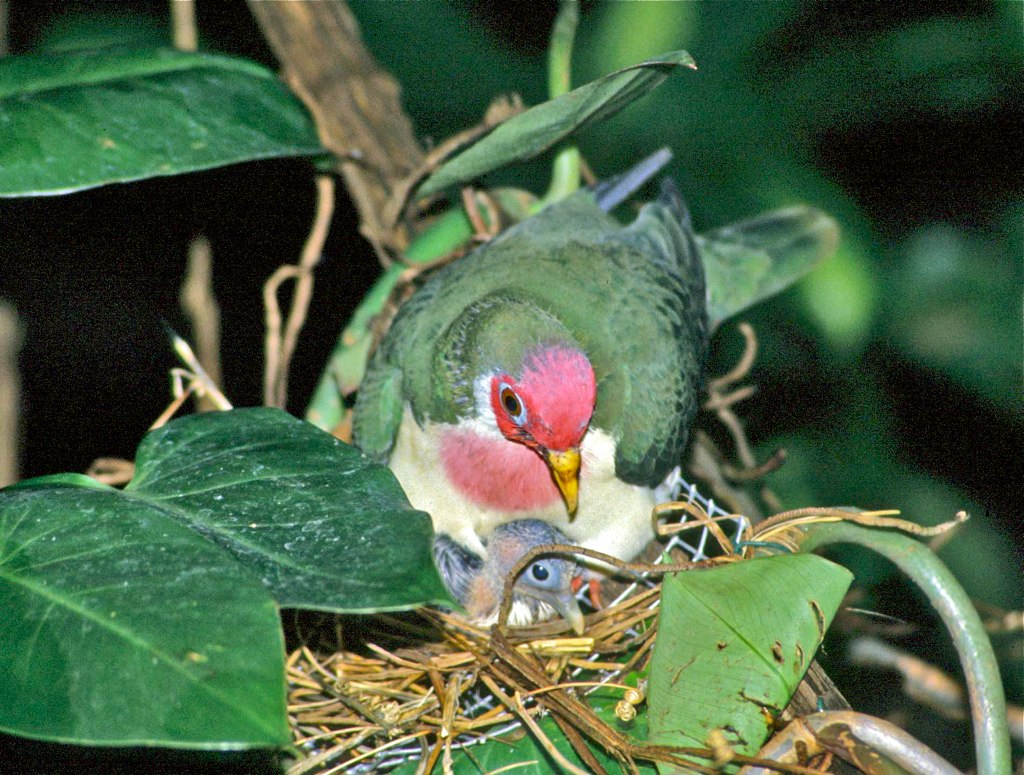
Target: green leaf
{"points": [[842, 296], [88, 118], [734, 641], [320, 524], [127, 619], [946, 305], [121, 626], [542, 126]]}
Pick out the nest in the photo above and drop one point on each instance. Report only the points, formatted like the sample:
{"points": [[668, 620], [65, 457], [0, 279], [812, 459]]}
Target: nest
{"points": [[417, 687]]}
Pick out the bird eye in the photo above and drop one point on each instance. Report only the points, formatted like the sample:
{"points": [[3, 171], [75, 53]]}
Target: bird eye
{"points": [[540, 572], [510, 401]]}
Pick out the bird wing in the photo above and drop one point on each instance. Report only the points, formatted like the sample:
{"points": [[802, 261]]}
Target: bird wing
{"points": [[457, 565], [379, 408], [658, 319]]}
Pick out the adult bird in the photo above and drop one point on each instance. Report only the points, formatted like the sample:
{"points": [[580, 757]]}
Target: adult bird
{"points": [[551, 374], [542, 589]]}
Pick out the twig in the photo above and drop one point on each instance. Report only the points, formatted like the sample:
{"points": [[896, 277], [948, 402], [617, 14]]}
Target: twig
{"points": [[114, 471], [923, 683], [706, 464], [10, 392], [743, 365], [700, 518], [198, 380], [882, 519], [484, 229], [199, 303], [501, 109], [184, 32], [544, 740], [999, 621], [774, 463], [279, 347], [720, 401]]}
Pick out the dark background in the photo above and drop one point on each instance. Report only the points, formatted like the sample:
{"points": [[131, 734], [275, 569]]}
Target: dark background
{"points": [[892, 375]]}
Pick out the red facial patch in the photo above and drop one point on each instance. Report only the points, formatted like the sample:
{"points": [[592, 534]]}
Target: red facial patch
{"points": [[557, 393]]}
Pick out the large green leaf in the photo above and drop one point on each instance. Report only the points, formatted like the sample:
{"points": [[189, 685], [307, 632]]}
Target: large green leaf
{"points": [[87, 118], [735, 641], [147, 616], [542, 126], [320, 524], [121, 626]]}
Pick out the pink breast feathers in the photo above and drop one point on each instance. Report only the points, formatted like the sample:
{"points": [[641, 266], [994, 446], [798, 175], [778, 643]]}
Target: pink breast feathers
{"points": [[497, 473]]}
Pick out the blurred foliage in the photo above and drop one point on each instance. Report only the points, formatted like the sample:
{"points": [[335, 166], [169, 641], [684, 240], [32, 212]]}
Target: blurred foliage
{"points": [[79, 30]]}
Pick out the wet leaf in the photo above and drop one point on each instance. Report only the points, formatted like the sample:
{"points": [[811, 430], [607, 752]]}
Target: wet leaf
{"points": [[542, 126], [81, 119], [733, 644], [122, 626], [319, 523]]}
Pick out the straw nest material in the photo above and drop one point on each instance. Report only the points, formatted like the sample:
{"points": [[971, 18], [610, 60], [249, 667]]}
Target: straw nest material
{"points": [[417, 686]]}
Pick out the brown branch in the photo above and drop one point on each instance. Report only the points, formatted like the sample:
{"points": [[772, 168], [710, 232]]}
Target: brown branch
{"points": [[743, 366], [354, 102], [184, 32]]}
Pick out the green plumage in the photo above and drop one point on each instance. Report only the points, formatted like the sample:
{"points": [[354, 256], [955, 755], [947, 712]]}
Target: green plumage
{"points": [[633, 299]]}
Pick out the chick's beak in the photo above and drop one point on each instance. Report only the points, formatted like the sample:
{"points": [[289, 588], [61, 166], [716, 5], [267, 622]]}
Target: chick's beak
{"points": [[565, 467], [565, 602]]}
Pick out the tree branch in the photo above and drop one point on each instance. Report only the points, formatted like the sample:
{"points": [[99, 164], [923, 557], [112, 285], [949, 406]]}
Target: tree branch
{"points": [[354, 102]]}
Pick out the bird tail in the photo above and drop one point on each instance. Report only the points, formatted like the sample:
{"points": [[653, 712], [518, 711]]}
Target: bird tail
{"points": [[612, 192]]}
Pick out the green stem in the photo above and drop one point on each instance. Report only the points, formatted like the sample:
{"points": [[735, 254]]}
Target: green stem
{"points": [[565, 173], [919, 563]]}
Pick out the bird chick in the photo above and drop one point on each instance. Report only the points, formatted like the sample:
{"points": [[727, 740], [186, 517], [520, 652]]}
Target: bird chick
{"points": [[543, 588]]}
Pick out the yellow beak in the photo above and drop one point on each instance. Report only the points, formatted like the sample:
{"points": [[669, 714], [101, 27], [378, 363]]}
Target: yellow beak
{"points": [[565, 467]]}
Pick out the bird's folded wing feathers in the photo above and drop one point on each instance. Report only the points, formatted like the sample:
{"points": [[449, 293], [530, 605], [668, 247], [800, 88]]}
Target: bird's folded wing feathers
{"points": [[661, 380], [380, 393]]}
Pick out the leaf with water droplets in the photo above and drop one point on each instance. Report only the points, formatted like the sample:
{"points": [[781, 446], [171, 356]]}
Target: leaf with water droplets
{"points": [[148, 616]]}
